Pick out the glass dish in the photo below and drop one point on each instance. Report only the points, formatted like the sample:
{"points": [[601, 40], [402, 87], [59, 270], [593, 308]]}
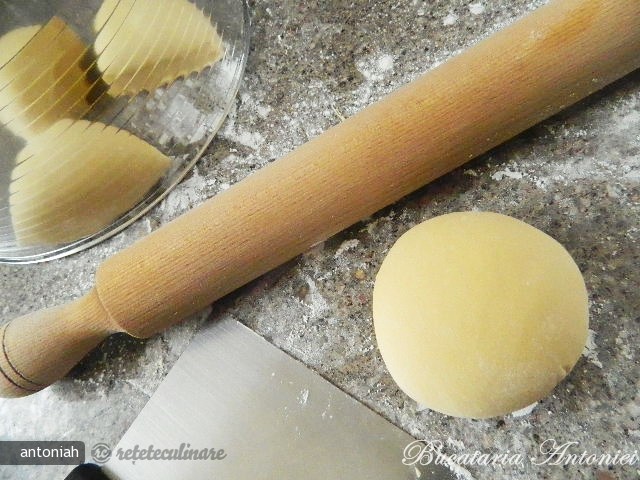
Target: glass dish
{"points": [[55, 184]]}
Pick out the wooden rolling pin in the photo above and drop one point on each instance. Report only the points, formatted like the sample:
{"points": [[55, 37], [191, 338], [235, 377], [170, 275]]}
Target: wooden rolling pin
{"points": [[548, 60]]}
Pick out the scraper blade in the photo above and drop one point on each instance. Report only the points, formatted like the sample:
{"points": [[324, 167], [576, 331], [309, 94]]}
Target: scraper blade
{"points": [[274, 418]]}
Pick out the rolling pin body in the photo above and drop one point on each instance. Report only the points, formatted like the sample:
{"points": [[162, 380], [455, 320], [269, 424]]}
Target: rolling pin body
{"points": [[505, 84]]}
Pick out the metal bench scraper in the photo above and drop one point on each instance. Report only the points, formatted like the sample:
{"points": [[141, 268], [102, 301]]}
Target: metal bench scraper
{"points": [[274, 418]]}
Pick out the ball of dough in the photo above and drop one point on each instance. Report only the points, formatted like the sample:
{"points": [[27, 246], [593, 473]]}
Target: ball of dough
{"points": [[478, 314]]}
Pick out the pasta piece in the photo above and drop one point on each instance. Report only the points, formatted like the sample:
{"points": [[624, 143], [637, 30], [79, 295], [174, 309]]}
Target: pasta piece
{"points": [[78, 177], [41, 77], [141, 46]]}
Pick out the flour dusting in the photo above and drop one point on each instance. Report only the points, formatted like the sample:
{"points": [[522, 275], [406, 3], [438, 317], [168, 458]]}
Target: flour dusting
{"points": [[239, 134], [185, 195], [374, 69], [476, 8], [590, 351], [253, 140], [450, 19], [318, 305], [345, 246], [506, 173], [385, 62], [457, 444], [524, 411]]}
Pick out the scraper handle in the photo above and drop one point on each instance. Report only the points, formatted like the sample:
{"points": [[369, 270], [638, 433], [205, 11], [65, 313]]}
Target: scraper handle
{"points": [[550, 59], [87, 471]]}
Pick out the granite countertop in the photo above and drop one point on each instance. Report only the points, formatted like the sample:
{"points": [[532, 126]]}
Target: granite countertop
{"points": [[575, 176]]}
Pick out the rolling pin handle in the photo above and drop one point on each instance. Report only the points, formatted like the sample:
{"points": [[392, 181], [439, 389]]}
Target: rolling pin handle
{"points": [[40, 348]]}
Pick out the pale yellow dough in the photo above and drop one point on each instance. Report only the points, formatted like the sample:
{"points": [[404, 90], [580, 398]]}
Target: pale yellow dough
{"points": [[76, 178], [479, 314], [41, 77], [143, 44]]}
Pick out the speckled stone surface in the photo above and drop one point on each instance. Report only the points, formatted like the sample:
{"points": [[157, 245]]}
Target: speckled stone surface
{"points": [[576, 176]]}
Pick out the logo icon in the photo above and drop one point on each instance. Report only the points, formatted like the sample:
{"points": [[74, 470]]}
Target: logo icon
{"points": [[101, 452]]}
